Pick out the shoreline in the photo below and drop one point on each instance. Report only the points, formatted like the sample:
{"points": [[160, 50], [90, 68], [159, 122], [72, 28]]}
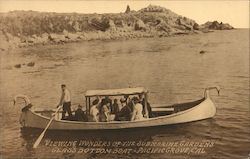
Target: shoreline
{"points": [[61, 39]]}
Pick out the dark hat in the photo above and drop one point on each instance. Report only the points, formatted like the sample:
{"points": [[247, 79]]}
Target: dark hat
{"points": [[96, 101], [135, 99], [104, 101]]}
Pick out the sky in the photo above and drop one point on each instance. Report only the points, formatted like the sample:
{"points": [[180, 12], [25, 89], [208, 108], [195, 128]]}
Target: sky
{"points": [[235, 12]]}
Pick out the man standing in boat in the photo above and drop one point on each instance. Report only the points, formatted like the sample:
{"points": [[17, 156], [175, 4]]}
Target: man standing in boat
{"points": [[66, 102]]}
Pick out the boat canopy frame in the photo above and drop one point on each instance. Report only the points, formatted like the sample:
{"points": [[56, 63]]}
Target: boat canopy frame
{"points": [[116, 92]]}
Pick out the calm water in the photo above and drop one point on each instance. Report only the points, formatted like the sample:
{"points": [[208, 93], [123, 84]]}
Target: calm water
{"points": [[172, 69]]}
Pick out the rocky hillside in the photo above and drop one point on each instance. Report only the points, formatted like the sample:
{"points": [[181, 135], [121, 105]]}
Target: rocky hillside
{"points": [[25, 28]]}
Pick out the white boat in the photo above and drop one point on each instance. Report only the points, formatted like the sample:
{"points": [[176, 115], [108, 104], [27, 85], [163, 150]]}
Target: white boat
{"points": [[161, 115]]}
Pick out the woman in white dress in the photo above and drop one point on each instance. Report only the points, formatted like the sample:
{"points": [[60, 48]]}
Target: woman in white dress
{"points": [[94, 111], [137, 110]]}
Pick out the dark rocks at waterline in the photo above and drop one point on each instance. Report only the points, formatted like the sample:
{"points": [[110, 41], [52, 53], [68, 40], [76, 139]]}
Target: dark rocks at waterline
{"points": [[31, 64], [196, 26], [18, 66], [202, 52]]}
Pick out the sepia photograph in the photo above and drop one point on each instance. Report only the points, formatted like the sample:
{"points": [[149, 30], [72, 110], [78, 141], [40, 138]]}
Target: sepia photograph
{"points": [[117, 79]]}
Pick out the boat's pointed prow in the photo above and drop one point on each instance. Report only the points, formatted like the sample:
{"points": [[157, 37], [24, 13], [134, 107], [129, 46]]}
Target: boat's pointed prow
{"points": [[206, 91], [24, 97]]}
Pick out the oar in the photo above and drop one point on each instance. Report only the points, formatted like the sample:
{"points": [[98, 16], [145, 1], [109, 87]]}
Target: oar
{"points": [[39, 139]]}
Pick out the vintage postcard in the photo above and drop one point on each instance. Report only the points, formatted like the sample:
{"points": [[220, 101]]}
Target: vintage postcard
{"points": [[124, 79]]}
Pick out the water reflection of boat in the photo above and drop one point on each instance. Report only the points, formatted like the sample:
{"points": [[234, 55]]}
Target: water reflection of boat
{"points": [[161, 115]]}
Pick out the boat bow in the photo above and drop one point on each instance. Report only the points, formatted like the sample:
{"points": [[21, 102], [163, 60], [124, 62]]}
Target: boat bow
{"points": [[207, 91]]}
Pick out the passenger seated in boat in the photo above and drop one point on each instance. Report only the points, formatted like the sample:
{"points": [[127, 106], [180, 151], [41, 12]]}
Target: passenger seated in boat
{"points": [[79, 114], [101, 104], [108, 100], [105, 113], [142, 101], [115, 107], [125, 111], [127, 99], [130, 104], [94, 110], [137, 111]]}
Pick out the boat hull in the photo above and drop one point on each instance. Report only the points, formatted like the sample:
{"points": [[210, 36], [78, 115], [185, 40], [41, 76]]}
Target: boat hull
{"points": [[204, 110]]}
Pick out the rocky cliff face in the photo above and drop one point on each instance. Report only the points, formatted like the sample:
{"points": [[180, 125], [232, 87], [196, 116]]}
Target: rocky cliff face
{"points": [[24, 28]]}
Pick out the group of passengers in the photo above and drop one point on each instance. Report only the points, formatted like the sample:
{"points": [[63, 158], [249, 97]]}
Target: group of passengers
{"points": [[105, 110]]}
